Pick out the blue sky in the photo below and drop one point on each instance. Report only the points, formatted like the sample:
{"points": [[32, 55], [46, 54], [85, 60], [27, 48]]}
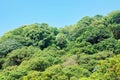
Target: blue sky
{"points": [[57, 13]]}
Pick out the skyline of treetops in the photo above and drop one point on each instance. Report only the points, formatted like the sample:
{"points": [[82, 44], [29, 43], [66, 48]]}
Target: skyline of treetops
{"points": [[86, 50]]}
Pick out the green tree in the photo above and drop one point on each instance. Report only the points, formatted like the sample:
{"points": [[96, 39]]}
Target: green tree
{"points": [[114, 17], [61, 41], [84, 22], [115, 28], [107, 44], [94, 35], [40, 35], [17, 56], [107, 69], [8, 45]]}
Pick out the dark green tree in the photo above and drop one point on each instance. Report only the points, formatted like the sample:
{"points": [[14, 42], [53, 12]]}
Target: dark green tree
{"points": [[8, 45]]}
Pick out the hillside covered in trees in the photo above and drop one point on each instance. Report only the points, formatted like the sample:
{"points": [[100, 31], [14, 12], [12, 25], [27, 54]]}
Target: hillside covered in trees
{"points": [[87, 50]]}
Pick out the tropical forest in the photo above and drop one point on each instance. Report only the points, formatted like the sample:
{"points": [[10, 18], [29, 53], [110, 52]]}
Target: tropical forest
{"points": [[86, 50]]}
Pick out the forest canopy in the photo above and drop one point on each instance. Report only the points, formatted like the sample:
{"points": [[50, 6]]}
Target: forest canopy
{"points": [[87, 50]]}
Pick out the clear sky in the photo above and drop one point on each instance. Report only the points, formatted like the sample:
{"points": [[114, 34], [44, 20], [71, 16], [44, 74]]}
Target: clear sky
{"points": [[57, 13]]}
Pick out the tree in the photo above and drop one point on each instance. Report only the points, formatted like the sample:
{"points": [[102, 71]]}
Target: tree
{"points": [[61, 41], [114, 17], [8, 45], [107, 44], [115, 28], [87, 50], [76, 72], [84, 22], [94, 35], [107, 69], [16, 57], [39, 34]]}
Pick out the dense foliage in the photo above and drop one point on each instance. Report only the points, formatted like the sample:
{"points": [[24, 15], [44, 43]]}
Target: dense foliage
{"points": [[87, 50]]}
